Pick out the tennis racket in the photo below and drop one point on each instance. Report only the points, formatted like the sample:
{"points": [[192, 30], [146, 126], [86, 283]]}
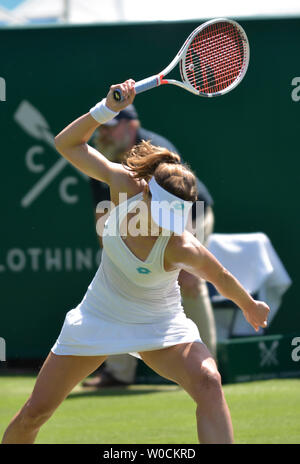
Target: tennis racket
{"points": [[212, 61]]}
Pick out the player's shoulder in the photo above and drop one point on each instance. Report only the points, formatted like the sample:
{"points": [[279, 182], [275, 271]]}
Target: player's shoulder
{"points": [[180, 246], [124, 182]]}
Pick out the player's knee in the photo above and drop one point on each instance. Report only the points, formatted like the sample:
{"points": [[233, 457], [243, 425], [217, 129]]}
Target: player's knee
{"points": [[190, 292], [190, 288], [208, 386], [34, 414]]}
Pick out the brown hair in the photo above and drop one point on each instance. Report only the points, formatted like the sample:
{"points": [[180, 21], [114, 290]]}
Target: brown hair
{"points": [[145, 160]]}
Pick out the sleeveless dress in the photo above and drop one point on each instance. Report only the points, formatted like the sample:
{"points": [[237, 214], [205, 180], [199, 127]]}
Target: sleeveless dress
{"points": [[131, 305]]}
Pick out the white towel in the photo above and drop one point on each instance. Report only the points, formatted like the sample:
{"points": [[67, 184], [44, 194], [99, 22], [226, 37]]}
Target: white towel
{"points": [[252, 259]]}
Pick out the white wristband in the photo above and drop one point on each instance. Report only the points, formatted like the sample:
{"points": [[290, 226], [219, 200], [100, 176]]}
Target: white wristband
{"points": [[101, 113]]}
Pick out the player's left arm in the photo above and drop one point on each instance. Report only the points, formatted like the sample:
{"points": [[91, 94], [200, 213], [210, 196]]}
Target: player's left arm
{"points": [[191, 256]]}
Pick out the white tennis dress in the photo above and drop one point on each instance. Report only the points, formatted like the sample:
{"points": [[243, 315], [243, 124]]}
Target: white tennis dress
{"points": [[131, 305]]}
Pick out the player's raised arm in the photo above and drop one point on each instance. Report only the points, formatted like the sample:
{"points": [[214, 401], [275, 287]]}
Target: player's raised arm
{"points": [[196, 259], [72, 144]]}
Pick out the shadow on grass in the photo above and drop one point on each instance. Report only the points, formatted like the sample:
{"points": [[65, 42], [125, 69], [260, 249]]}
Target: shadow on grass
{"points": [[122, 391], [144, 385], [19, 373]]}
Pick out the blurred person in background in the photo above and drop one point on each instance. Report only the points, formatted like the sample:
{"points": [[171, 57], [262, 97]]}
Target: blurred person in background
{"points": [[114, 139]]}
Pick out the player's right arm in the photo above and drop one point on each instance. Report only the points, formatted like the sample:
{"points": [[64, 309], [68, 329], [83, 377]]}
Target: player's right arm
{"points": [[72, 142]]}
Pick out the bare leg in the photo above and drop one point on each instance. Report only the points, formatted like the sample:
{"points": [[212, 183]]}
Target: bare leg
{"points": [[58, 376], [192, 366], [197, 306], [195, 297]]}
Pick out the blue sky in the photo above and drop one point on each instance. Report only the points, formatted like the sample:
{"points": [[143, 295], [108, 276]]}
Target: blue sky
{"points": [[10, 4]]}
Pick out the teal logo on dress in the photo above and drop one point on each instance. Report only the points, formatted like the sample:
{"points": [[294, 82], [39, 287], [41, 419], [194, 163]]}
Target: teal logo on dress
{"points": [[143, 270]]}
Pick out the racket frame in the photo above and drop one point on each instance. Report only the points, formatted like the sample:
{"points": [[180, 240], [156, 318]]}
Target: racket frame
{"points": [[159, 79]]}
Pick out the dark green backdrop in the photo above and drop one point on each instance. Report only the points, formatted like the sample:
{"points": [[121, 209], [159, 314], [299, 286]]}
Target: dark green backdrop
{"points": [[244, 145]]}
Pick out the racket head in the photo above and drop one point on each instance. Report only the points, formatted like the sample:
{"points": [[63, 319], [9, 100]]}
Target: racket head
{"points": [[215, 58]]}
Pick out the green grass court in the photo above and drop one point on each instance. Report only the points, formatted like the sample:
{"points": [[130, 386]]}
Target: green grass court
{"points": [[265, 412]]}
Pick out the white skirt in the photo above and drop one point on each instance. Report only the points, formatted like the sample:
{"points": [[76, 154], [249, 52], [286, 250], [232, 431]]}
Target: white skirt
{"points": [[116, 316], [87, 332]]}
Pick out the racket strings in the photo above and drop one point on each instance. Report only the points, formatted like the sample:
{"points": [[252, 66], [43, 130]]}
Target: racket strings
{"points": [[207, 74], [197, 64], [221, 55], [212, 74], [225, 57], [215, 58], [210, 81], [226, 41]]}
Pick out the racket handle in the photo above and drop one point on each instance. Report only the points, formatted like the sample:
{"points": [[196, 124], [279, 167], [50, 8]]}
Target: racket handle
{"points": [[146, 84], [140, 86]]}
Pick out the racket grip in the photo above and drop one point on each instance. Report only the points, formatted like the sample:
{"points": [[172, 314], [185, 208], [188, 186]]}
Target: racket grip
{"points": [[140, 86], [146, 84]]}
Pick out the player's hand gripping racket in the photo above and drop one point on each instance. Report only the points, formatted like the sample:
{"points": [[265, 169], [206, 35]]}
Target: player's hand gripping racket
{"points": [[212, 61]]}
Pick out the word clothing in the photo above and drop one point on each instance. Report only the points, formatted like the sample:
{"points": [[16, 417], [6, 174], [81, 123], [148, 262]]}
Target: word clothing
{"points": [[131, 305]]}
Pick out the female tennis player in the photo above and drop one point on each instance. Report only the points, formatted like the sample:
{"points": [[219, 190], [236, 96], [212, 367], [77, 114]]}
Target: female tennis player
{"points": [[133, 303]]}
